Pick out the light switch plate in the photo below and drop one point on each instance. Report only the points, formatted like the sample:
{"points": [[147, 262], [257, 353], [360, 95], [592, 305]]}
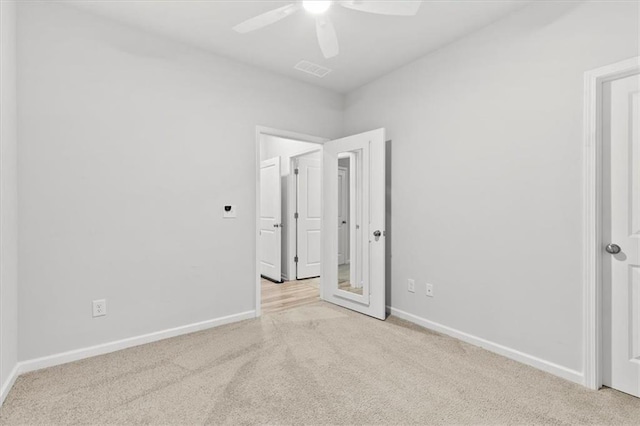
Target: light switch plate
{"points": [[229, 211]]}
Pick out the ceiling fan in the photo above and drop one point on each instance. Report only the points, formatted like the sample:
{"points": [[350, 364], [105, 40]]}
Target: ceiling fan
{"points": [[327, 37]]}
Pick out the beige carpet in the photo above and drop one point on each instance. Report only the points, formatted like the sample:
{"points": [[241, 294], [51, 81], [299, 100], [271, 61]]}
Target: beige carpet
{"points": [[313, 364]]}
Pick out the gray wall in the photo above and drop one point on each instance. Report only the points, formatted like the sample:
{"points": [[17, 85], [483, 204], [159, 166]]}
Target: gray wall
{"points": [[8, 196], [487, 173], [130, 145]]}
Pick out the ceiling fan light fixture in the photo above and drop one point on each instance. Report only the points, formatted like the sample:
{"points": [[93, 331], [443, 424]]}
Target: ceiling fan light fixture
{"points": [[316, 6], [327, 37]]}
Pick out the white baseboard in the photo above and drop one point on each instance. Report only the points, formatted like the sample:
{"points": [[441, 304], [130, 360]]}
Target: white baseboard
{"points": [[541, 364], [78, 354], [8, 384]]}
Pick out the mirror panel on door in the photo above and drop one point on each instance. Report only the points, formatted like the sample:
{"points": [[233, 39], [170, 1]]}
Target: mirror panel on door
{"points": [[350, 238]]}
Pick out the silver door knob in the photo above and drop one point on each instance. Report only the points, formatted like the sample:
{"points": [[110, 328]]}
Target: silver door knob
{"points": [[377, 234], [612, 248]]}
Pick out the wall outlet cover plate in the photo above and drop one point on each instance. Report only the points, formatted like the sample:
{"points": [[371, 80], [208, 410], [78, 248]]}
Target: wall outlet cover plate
{"points": [[99, 308]]}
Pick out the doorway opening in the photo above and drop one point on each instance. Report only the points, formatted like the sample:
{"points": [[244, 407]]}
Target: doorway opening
{"points": [[329, 233], [289, 202]]}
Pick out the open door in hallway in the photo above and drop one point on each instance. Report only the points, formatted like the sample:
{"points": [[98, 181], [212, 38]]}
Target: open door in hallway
{"points": [[270, 220], [309, 212], [358, 284]]}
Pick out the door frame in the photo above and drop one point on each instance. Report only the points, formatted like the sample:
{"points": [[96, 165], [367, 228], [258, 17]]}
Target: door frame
{"points": [[592, 212], [262, 130]]}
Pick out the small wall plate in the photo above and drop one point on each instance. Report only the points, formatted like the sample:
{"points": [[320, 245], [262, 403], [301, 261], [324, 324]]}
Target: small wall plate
{"points": [[229, 211]]}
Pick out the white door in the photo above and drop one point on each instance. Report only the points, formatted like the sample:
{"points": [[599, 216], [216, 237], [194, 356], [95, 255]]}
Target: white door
{"points": [[359, 284], [343, 215], [622, 264], [309, 217], [270, 220]]}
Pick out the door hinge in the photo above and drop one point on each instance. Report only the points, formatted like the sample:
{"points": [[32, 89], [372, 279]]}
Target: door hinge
{"points": [[295, 259], [295, 215], [296, 171]]}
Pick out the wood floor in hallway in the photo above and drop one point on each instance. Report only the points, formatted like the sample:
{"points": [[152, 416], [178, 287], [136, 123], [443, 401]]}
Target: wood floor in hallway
{"points": [[290, 294]]}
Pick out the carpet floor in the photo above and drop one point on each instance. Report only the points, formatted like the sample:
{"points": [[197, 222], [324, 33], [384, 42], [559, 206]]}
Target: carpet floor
{"points": [[314, 364]]}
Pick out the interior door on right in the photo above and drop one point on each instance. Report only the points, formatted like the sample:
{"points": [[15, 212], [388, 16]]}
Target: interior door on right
{"points": [[621, 268], [360, 283]]}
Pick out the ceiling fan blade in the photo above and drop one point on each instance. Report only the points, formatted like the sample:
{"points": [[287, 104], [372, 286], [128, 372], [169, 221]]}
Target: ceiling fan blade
{"points": [[327, 37], [267, 18], [397, 7]]}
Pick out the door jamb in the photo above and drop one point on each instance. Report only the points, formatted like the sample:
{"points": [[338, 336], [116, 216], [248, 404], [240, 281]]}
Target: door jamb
{"points": [[592, 213], [262, 130]]}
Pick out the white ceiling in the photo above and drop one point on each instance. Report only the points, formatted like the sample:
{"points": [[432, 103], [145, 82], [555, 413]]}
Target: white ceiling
{"points": [[370, 45]]}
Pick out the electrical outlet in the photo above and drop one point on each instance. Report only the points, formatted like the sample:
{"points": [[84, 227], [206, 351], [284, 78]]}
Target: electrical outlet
{"points": [[429, 290], [99, 308], [411, 286]]}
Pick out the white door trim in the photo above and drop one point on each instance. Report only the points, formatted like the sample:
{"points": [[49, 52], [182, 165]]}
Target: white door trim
{"points": [[593, 192], [262, 130]]}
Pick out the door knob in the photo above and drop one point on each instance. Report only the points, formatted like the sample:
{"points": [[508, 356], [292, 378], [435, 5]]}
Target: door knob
{"points": [[612, 248], [277, 225], [344, 222], [377, 234]]}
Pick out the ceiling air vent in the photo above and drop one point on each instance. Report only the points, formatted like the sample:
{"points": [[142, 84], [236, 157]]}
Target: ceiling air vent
{"points": [[313, 69]]}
